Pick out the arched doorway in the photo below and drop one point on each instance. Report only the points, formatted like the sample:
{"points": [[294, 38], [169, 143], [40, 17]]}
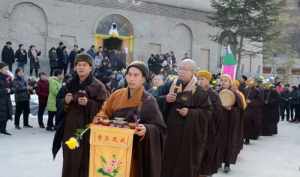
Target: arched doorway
{"points": [[115, 32], [113, 43], [182, 41], [28, 25]]}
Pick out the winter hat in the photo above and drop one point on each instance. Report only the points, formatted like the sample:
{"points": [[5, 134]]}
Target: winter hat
{"points": [[204, 74], [2, 65], [236, 83], [83, 57], [228, 77], [141, 66], [250, 82]]}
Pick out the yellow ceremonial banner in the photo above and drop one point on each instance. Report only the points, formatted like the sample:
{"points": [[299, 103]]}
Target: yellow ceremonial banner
{"points": [[110, 151]]}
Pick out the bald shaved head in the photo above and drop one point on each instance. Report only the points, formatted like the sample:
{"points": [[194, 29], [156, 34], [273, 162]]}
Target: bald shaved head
{"points": [[189, 63], [186, 70]]}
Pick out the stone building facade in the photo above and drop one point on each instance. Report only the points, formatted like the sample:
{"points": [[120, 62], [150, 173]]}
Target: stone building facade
{"points": [[148, 26]]}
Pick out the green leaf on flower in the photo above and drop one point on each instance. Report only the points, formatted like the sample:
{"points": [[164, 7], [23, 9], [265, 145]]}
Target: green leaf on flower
{"points": [[103, 160]]}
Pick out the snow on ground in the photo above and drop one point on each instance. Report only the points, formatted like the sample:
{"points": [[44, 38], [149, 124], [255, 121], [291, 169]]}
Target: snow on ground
{"points": [[276, 156], [28, 154]]}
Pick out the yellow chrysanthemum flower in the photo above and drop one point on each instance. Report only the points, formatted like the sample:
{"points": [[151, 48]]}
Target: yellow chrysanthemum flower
{"points": [[72, 143]]}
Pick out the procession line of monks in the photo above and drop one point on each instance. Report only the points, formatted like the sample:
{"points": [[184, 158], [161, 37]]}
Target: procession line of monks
{"points": [[184, 131]]}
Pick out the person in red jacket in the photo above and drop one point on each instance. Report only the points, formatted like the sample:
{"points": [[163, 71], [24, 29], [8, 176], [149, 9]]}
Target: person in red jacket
{"points": [[42, 91]]}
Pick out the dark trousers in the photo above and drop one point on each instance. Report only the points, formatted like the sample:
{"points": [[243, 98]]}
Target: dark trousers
{"points": [[51, 71], [35, 70], [10, 66], [42, 107], [3, 125], [285, 108], [51, 116], [292, 111], [297, 116], [22, 107], [65, 68], [71, 68]]}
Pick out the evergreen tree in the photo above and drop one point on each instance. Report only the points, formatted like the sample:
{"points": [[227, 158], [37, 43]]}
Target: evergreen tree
{"points": [[241, 22]]}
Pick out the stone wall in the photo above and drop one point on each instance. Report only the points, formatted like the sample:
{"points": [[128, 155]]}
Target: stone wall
{"points": [[46, 22], [155, 27]]}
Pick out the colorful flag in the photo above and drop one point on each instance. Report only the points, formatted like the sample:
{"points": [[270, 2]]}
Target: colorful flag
{"points": [[229, 63]]}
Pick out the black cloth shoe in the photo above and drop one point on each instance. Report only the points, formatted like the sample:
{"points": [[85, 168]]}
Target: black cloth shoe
{"points": [[42, 126], [5, 133], [247, 142], [227, 169], [50, 129], [18, 127]]}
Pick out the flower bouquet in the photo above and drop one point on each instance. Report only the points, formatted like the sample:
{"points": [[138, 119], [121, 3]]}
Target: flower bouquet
{"points": [[73, 142]]}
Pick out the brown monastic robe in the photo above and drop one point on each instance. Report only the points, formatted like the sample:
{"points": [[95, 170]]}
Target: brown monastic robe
{"points": [[185, 144], [270, 112], [231, 131], [76, 162], [213, 151], [147, 150], [253, 115]]}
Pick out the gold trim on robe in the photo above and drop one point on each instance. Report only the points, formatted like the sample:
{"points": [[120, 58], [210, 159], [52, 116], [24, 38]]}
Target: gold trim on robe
{"points": [[119, 100]]}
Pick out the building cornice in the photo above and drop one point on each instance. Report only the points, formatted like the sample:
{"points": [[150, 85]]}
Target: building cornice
{"points": [[152, 8]]}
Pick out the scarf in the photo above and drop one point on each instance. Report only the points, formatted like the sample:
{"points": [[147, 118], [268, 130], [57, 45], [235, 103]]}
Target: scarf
{"points": [[74, 85], [191, 86], [35, 55]]}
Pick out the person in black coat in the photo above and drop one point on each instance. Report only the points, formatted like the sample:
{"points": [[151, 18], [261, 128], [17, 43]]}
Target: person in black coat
{"points": [[21, 56], [293, 102], [285, 103], [60, 56], [72, 57], [154, 64], [66, 60], [22, 92], [104, 72], [5, 101], [52, 60], [33, 55], [297, 114], [8, 55]]}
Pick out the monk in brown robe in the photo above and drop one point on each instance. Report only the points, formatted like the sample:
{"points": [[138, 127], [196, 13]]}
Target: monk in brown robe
{"points": [[270, 111], [136, 105], [231, 127], [253, 115], [211, 159], [83, 96], [236, 88], [186, 111]]}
